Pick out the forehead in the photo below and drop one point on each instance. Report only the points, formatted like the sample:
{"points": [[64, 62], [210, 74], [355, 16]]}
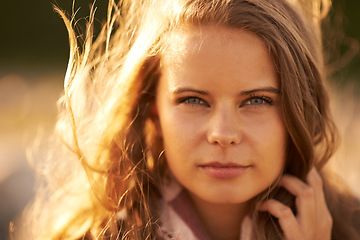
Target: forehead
{"points": [[190, 39], [217, 53]]}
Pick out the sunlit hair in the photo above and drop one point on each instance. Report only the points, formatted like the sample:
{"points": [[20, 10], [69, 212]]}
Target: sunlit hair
{"points": [[106, 119]]}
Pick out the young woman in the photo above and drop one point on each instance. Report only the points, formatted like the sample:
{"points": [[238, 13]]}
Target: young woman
{"points": [[197, 119]]}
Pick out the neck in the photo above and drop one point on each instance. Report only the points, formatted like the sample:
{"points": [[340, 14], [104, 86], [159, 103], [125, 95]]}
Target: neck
{"points": [[221, 220]]}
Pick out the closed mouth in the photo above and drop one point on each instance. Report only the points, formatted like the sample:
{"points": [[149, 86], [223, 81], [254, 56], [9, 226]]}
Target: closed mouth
{"points": [[221, 170], [223, 165]]}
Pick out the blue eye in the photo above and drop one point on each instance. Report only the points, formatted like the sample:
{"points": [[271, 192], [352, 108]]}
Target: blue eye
{"points": [[192, 101], [256, 101]]}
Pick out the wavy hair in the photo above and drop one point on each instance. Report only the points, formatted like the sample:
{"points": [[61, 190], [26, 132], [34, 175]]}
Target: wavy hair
{"points": [[106, 121]]}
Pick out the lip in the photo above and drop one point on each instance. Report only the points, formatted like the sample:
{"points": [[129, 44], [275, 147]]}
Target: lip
{"points": [[224, 170]]}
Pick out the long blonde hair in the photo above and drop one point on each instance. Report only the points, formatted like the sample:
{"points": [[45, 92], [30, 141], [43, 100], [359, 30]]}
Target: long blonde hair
{"points": [[106, 120]]}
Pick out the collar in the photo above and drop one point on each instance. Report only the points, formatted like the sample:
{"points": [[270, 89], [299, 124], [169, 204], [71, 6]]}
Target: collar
{"points": [[178, 218]]}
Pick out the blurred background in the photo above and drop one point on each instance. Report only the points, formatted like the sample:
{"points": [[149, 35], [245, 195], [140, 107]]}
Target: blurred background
{"points": [[33, 58]]}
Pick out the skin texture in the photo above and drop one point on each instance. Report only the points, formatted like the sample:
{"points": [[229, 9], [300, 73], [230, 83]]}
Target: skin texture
{"points": [[218, 105], [219, 113]]}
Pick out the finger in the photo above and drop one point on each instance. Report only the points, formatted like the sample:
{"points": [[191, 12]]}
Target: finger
{"points": [[313, 215], [296, 187], [287, 219], [314, 180], [305, 201], [324, 218]]}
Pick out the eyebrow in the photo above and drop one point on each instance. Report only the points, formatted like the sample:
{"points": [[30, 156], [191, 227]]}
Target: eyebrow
{"points": [[242, 93], [182, 90], [266, 89]]}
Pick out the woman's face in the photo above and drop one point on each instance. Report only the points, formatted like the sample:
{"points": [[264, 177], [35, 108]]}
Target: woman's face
{"points": [[220, 114]]}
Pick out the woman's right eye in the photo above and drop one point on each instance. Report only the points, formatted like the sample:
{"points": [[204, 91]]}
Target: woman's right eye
{"points": [[193, 101]]}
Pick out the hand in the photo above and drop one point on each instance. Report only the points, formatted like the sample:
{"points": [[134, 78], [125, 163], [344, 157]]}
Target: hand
{"points": [[313, 220]]}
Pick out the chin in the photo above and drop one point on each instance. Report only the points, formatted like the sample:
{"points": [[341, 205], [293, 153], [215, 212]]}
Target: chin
{"points": [[226, 198]]}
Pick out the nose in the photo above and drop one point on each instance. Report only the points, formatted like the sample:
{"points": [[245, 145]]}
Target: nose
{"points": [[224, 130]]}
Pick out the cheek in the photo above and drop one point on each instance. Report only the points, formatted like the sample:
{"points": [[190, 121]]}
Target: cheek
{"points": [[277, 151], [269, 140], [173, 133], [179, 126], [267, 129]]}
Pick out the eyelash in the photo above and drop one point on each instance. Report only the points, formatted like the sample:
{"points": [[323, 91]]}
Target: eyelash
{"points": [[185, 100], [246, 102], [266, 100]]}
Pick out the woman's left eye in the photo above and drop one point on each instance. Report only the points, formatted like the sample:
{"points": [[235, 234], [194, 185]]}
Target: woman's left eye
{"points": [[257, 101], [193, 101]]}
